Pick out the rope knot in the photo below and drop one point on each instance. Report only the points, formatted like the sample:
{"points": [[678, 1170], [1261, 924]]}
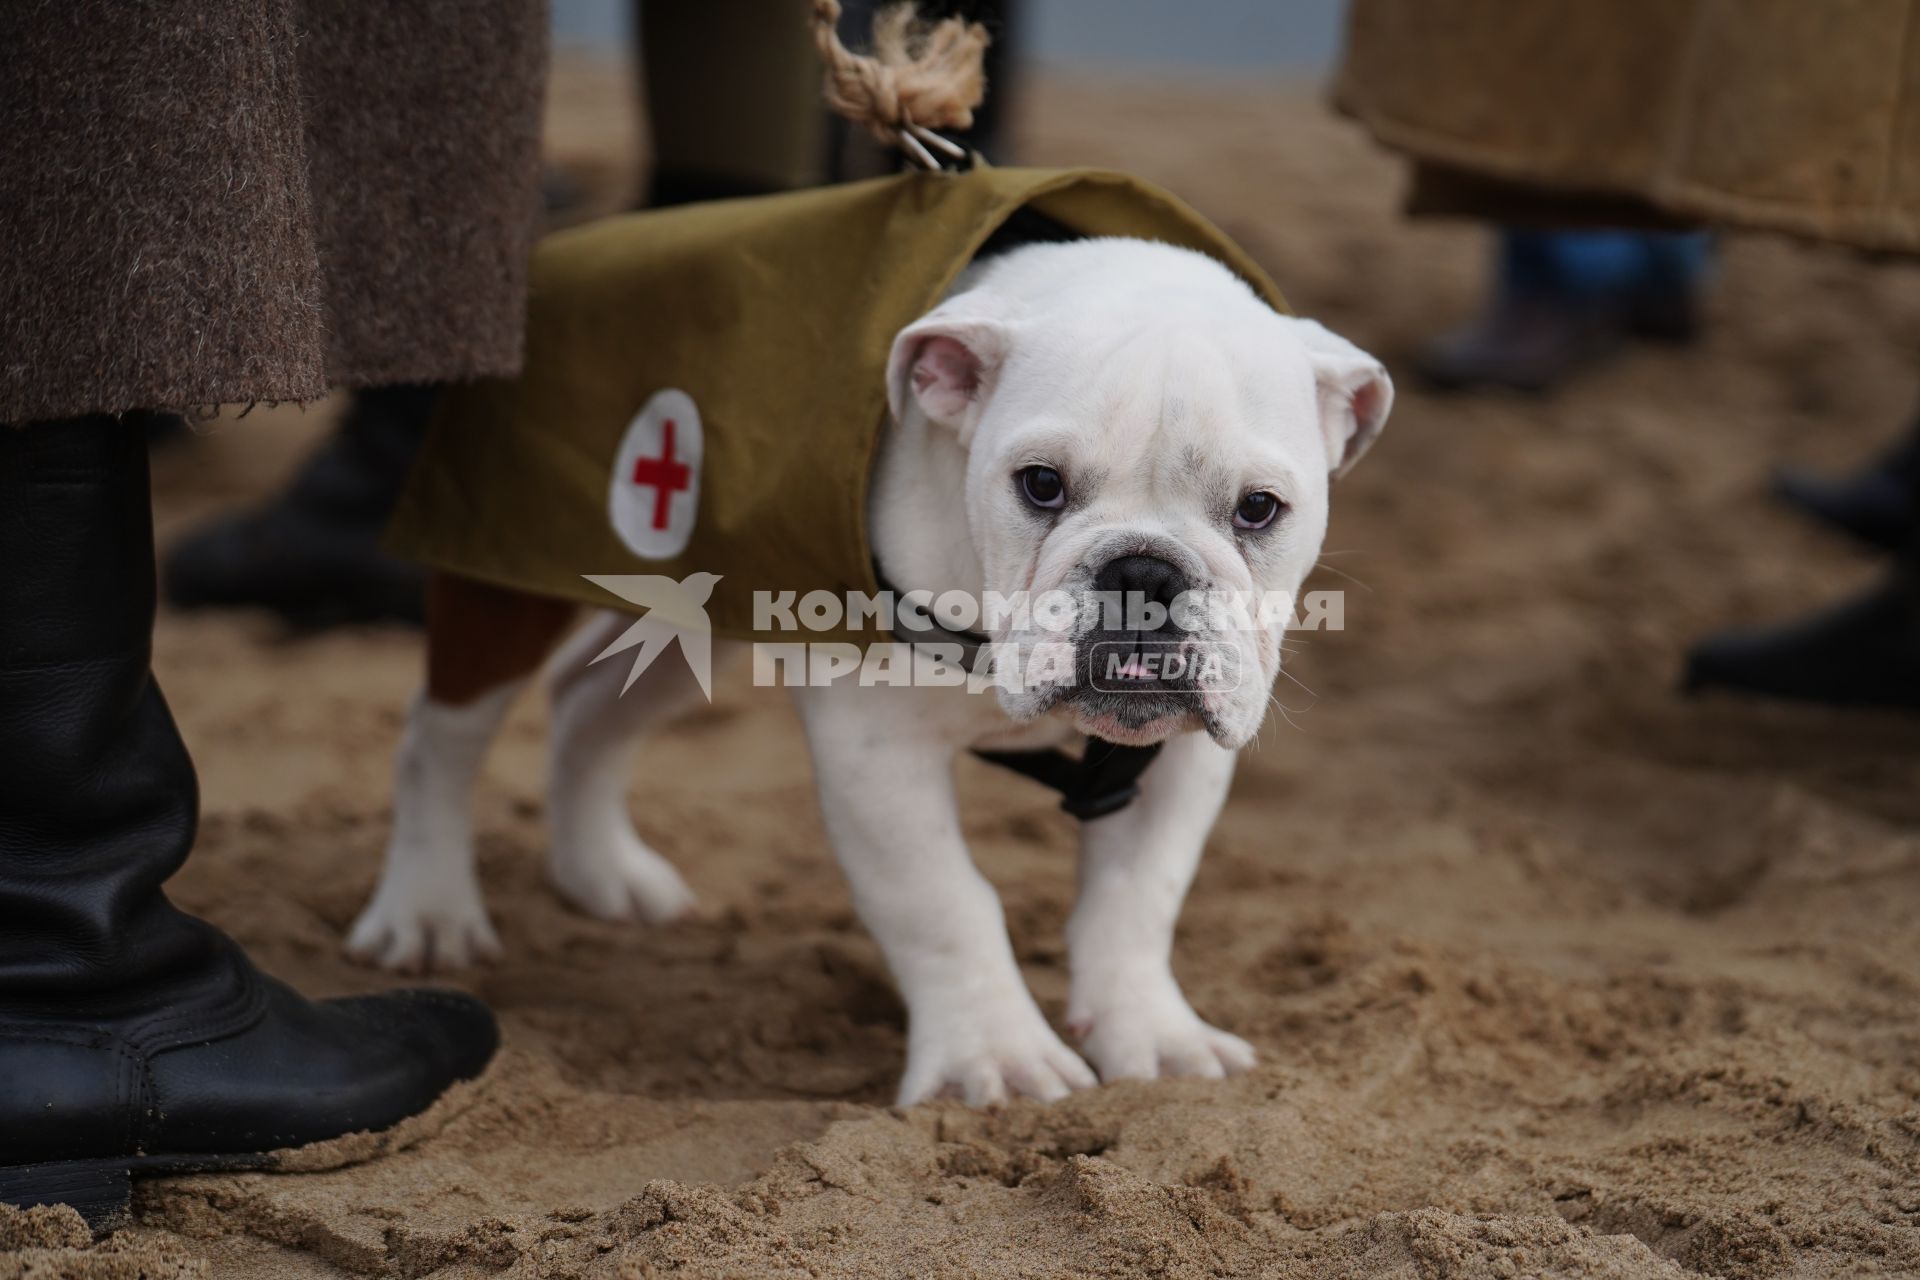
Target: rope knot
{"points": [[920, 76]]}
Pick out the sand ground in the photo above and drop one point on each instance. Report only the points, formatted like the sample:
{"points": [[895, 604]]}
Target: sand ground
{"points": [[1552, 972]]}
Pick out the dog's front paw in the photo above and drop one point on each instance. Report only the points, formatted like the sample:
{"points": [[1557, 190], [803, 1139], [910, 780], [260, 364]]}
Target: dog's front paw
{"points": [[617, 877], [1134, 1038], [413, 927], [989, 1052]]}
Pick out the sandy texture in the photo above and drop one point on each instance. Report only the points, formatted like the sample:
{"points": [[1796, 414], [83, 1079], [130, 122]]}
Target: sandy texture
{"points": [[1553, 974]]}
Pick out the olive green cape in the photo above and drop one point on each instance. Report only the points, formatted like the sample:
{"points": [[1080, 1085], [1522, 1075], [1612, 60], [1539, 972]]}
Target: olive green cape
{"points": [[774, 317]]}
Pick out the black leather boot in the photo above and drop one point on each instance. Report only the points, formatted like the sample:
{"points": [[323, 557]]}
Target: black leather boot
{"points": [[312, 553], [1863, 652], [135, 1039], [1876, 504]]}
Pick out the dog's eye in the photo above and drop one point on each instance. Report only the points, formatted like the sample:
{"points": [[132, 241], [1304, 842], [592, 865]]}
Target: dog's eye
{"points": [[1043, 487], [1256, 510]]}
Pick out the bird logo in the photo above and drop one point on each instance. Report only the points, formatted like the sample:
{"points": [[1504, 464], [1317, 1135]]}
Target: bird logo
{"points": [[682, 605]]}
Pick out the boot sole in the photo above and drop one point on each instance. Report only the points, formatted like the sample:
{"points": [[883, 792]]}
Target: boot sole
{"points": [[101, 1191]]}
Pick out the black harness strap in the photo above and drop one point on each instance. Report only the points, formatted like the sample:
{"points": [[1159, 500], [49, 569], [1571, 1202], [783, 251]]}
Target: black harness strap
{"points": [[1105, 777], [1104, 780]]}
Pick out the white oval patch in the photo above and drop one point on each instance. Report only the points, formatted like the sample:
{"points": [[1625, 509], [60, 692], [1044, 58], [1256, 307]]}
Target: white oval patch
{"points": [[656, 477]]}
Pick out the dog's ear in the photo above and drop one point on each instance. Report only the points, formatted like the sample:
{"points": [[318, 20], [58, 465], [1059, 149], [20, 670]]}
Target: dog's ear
{"points": [[946, 362], [1354, 390]]}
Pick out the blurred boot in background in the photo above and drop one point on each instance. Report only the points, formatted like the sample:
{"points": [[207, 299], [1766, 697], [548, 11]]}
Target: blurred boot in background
{"points": [[1875, 505], [1863, 652], [1563, 300], [311, 554]]}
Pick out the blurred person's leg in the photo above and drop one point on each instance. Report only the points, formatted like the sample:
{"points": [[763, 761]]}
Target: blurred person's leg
{"points": [[135, 1038], [1878, 504], [1663, 304], [1563, 300], [990, 132], [732, 92]]}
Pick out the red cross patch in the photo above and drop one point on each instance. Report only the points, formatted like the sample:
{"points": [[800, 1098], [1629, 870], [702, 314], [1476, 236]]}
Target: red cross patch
{"points": [[656, 477]]}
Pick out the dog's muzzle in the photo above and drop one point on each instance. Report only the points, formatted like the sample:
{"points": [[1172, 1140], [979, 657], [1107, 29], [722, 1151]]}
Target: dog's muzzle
{"points": [[1135, 660]]}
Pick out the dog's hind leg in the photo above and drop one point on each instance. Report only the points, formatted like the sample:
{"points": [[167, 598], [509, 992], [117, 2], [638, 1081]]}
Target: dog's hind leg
{"points": [[598, 861], [483, 643]]}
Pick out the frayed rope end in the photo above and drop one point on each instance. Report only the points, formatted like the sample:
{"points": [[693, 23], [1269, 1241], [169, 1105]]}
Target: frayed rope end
{"points": [[919, 76]]}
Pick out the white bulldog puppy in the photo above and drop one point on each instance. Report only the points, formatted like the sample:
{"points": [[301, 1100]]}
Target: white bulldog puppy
{"points": [[1086, 421]]}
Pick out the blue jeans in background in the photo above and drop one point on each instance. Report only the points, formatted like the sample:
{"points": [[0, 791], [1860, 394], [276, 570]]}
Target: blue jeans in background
{"points": [[1598, 265]]}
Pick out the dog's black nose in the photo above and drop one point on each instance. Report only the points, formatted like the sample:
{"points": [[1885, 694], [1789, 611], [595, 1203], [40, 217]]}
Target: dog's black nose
{"points": [[1139, 580]]}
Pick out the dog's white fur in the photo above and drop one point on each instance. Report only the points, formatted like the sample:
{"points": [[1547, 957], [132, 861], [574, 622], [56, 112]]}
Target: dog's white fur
{"points": [[1163, 390]]}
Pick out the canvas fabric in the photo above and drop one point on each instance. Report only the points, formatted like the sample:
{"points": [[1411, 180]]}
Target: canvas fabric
{"points": [[760, 330], [1780, 115]]}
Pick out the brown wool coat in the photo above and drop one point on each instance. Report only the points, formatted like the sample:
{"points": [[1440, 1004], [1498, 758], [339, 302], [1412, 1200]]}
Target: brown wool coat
{"points": [[1788, 115], [220, 201]]}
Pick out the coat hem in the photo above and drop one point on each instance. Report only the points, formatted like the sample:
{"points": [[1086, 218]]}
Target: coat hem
{"points": [[1872, 228]]}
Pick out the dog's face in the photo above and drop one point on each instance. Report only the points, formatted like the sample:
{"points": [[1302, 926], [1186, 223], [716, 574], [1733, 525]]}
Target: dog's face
{"points": [[1149, 450]]}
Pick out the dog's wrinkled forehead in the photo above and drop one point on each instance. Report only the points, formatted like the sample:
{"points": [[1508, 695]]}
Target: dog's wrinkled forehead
{"points": [[1151, 363], [1187, 398]]}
